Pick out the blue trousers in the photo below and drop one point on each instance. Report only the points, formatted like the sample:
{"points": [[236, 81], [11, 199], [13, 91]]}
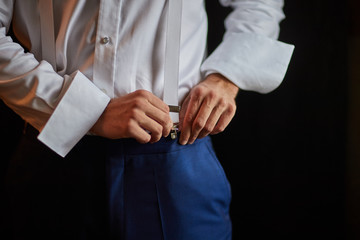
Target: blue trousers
{"points": [[118, 189]]}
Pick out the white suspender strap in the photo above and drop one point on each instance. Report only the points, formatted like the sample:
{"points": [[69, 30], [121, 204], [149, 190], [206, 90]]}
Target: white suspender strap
{"points": [[172, 51], [47, 31]]}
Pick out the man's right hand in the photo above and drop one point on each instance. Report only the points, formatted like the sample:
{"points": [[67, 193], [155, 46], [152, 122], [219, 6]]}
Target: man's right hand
{"points": [[140, 115]]}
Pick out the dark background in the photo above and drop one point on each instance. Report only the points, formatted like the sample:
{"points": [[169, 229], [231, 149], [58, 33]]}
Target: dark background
{"points": [[293, 164], [291, 155]]}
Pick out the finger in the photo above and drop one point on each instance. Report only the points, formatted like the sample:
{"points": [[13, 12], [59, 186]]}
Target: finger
{"points": [[161, 118], [224, 121], [202, 117], [212, 121], [138, 133], [190, 115], [155, 101], [182, 113], [154, 108], [185, 132], [147, 124], [153, 127]]}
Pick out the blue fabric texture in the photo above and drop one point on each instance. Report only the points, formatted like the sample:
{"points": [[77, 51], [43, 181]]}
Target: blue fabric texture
{"points": [[167, 191], [117, 189]]}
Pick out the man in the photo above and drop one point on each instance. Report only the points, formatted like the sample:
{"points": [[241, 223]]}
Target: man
{"points": [[93, 84]]}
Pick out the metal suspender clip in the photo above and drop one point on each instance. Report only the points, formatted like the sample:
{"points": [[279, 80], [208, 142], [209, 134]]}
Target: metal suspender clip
{"points": [[174, 108], [175, 127], [174, 131]]}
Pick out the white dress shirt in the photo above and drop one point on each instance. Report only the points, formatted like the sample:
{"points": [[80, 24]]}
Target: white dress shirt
{"points": [[106, 49]]}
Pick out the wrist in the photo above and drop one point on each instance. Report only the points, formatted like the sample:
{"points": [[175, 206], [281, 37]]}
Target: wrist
{"points": [[224, 82]]}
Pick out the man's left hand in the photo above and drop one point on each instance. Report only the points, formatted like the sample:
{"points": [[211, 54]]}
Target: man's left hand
{"points": [[208, 109]]}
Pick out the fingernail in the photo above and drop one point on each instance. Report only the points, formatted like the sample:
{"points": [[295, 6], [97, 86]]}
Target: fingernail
{"points": [[191, 141]]}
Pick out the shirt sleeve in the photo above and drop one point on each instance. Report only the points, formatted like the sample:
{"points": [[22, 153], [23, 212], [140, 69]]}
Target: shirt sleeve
{"points": [[249, 55], [63, 108]]}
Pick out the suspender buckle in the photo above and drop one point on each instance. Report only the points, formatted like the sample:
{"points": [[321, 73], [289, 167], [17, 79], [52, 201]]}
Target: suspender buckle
{"points": [[175, 128], [174, 131], [174, 108]]}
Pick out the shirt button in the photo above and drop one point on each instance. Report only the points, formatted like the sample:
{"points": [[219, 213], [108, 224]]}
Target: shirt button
{"points": [[105, 40]]}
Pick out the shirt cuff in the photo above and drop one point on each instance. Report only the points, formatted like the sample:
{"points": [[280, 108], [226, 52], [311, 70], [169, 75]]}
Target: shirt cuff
{"points": [[252, 62], [79, 109]]}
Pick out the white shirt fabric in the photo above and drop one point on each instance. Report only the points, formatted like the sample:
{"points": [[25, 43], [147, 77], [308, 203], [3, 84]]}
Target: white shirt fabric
{"points": [[64, 104]]}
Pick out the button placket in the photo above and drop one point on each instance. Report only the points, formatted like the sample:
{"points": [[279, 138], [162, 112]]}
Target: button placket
{"points": [[105, 48]]}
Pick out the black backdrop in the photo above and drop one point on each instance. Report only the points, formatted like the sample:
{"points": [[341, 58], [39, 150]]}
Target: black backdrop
{"points": [[285, 152], [288, 155]]}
